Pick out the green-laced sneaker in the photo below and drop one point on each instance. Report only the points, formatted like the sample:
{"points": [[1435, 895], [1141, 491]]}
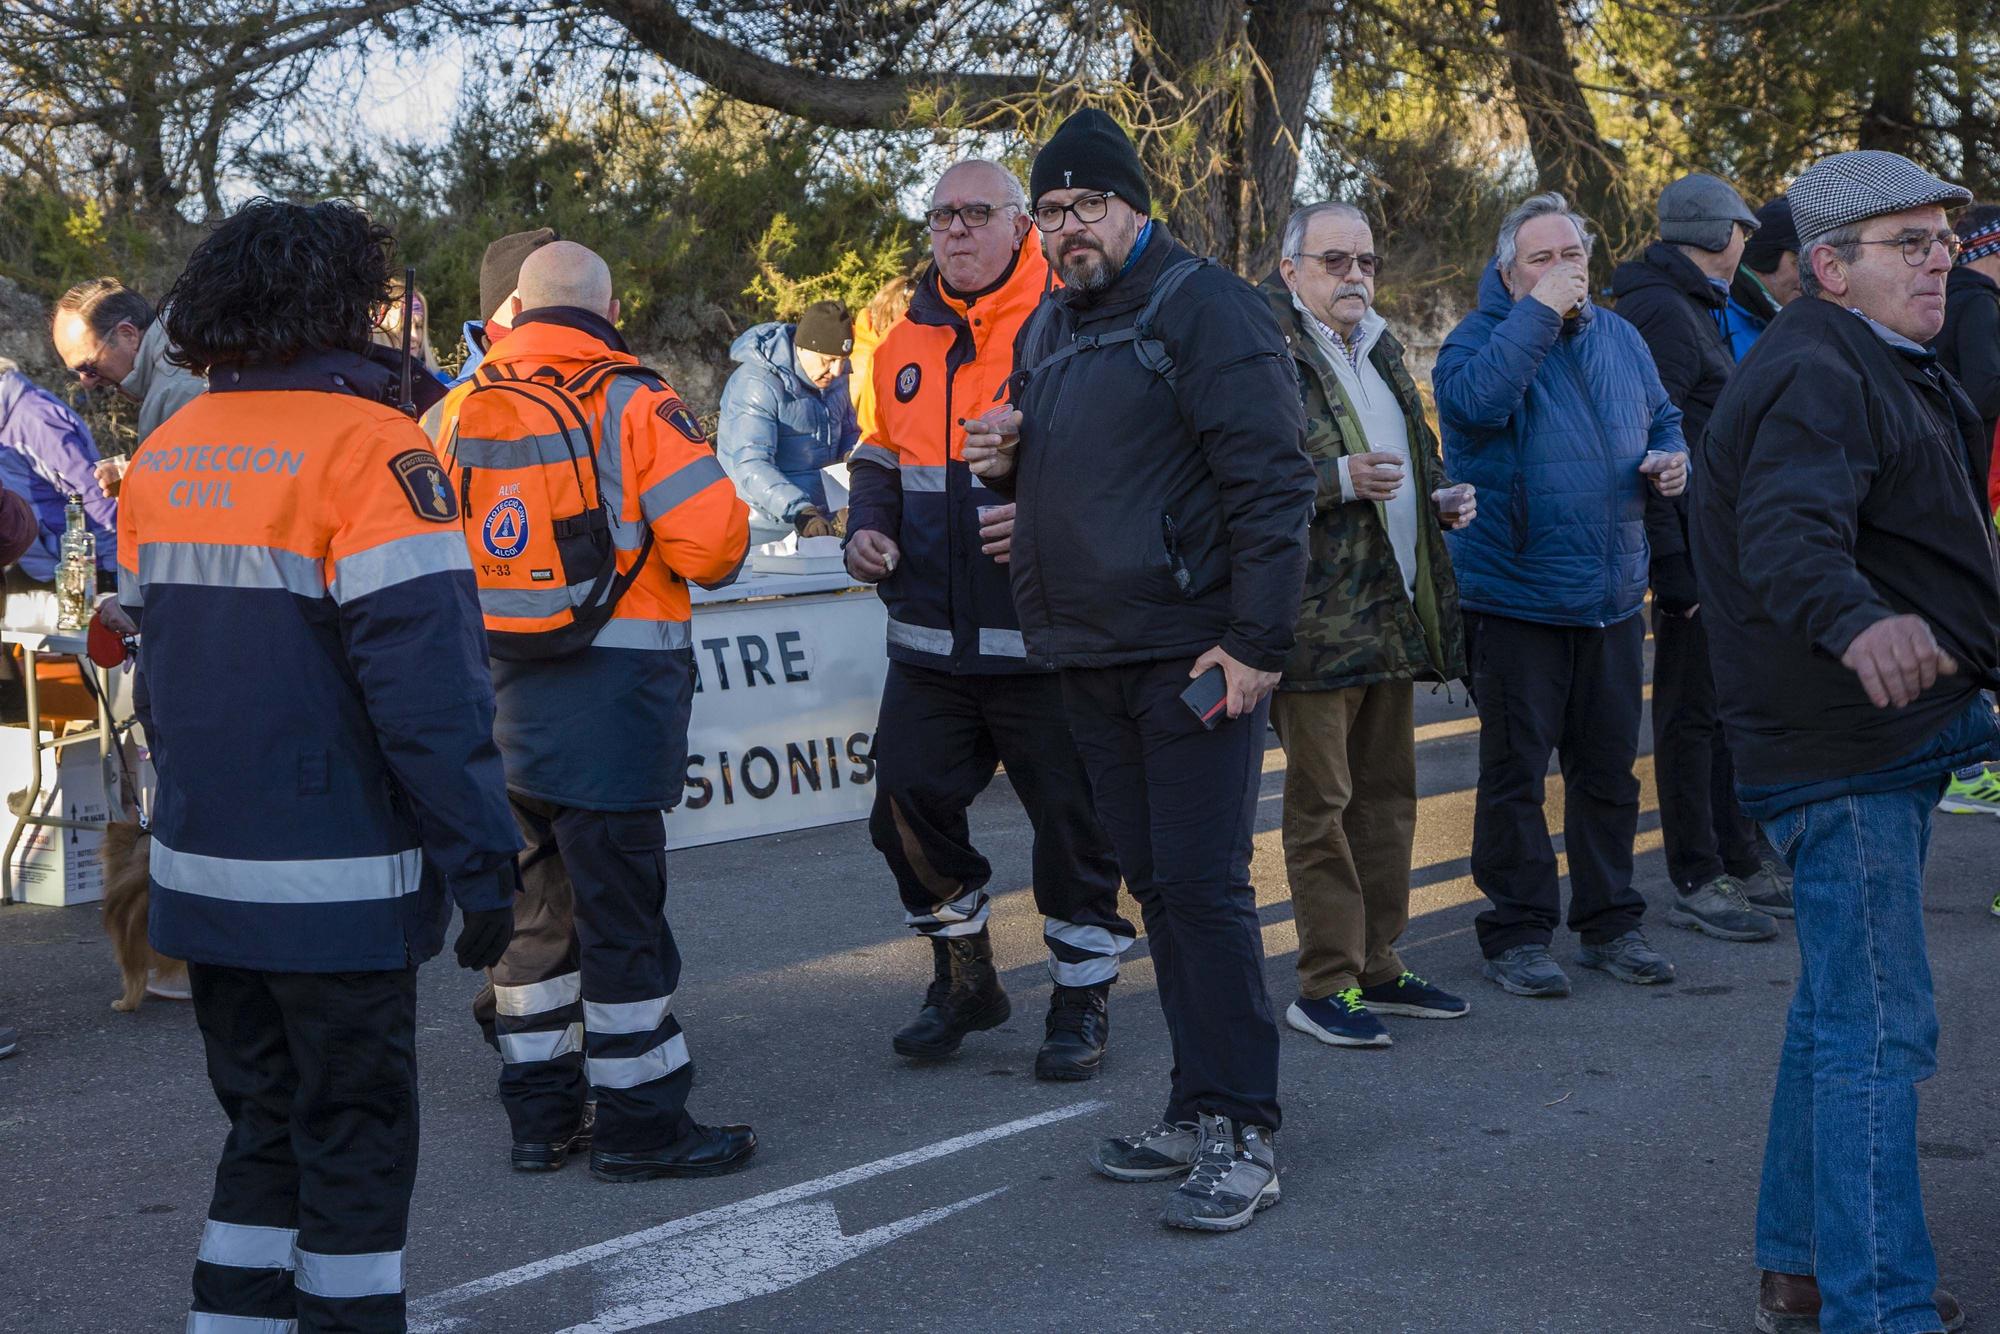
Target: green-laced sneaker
{"points": [[1973, 791], [1410, 995], [1996, 905]]}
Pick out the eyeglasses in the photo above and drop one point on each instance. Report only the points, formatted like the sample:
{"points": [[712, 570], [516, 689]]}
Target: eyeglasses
{"points": [[86, 370], [1916, 245], [1088, 208], [972, 215], [1338, 263]]}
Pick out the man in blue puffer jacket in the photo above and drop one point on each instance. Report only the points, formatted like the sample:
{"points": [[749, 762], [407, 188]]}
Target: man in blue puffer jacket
{"points": [[1553, 409], [786, 415]]}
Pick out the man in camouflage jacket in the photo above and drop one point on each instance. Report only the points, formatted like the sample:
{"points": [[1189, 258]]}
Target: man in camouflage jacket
{"points": [[1380, 612]]}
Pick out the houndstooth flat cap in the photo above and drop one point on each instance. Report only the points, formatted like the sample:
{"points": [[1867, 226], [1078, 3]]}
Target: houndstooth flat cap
{"points": [[1848, 187]]}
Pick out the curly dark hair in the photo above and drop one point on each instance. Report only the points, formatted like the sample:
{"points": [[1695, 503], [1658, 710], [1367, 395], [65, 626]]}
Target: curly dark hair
{"points": [[276, 280]]}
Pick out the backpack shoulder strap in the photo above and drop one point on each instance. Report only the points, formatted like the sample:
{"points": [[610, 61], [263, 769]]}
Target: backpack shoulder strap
{"points": [[1153, 354]]}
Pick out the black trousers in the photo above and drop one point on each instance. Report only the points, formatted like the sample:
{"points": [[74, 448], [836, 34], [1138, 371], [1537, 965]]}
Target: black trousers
{"points": [[938, 742], [317, 1073], [1706, 833], [584, 995], [1179, 804], [1575, 691]]}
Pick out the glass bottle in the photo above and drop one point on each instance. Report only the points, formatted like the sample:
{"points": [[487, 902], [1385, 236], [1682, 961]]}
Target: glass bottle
{"points": [[76, 572]]}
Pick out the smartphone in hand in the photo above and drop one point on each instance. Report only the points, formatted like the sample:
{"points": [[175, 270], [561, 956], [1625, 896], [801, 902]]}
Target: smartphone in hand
{"points": [[1206, 697]]}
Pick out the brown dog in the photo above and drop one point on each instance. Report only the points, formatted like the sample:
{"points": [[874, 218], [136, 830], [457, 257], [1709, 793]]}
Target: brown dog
{"points": [[127, 895]]}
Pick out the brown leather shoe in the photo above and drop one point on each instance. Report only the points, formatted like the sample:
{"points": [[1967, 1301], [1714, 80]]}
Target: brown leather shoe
{"points": [[1789, 1304]]}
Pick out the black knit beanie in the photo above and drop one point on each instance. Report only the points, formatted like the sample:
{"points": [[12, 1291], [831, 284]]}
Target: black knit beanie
{"points": [[825, 328], [1089, 152]]}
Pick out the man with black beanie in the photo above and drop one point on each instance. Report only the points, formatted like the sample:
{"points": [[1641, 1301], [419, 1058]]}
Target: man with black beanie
{"points": [[1163, 493], [1766, 281]]}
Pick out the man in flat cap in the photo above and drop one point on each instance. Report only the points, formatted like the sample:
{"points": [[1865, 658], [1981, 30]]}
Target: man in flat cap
{"points": [[1677, 294], [1847, 567]]}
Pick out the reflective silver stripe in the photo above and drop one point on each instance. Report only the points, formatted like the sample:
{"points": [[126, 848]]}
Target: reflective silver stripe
{"points": [[963, 908], [963, 916], [528, 452], [1002, 643], [525, 1048], [632, 1071], [919, 477], [130, 590], [923, 638], [1086, 974], [657, 636], [226, 565], [625, 1016], [538, 997], [398, 561], [1095, 939], [242, 1246], [522, 602], [433, 421], [321, 880], [345, 1276], [875, 454], [610, 462], [207, 1322], [970, 927], [680, 486]]}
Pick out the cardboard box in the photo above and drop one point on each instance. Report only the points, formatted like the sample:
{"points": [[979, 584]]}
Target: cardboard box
{"points": [[54, 866]]}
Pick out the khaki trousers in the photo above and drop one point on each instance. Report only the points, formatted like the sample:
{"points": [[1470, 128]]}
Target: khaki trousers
{"points": [[1349, 825]]}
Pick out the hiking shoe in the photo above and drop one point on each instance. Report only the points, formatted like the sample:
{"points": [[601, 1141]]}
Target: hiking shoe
{"points": [[1769, 889], [1972, 791], [550, 1155], [1235, 1174], [704, 1151], [1412, 996], [965, 996], [1628, 958], [1073, 1040], [1719, 909], [1339, 1020], [1161, 1151], [1528, 970]]}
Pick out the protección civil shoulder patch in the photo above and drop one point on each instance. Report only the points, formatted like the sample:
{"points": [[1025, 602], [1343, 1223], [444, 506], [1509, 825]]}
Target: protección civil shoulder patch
{"points": [[675, 414], [425, 485], [907, 380]]}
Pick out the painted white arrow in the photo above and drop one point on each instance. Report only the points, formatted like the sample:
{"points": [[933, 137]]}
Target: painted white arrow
{"points": [[750, 1257]]}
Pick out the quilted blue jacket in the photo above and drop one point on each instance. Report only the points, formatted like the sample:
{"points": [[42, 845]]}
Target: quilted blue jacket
{"points": [[1550, 420], [777, 430]]}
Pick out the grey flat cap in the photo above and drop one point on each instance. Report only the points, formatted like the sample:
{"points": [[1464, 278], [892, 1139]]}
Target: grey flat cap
{"points": [[1848, 187], [1702, 211]]}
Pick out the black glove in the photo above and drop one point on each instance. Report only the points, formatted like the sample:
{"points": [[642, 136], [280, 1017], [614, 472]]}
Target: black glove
{"points": [[1674, 590], [484, 937], [809, 522]]}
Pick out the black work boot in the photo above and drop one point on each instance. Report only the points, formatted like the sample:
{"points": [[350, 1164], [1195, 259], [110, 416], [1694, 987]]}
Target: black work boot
{"points": [[1079, 1022], [964, 997]]}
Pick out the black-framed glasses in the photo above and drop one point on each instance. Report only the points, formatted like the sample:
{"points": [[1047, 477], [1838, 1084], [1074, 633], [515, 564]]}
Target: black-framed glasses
{"points": [[972, 215], [1916, 245], [86, 370], [1338, 263], [1088, 209]]}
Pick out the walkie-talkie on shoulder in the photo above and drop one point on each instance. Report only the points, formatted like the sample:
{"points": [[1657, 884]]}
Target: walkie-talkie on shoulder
{"points": [[406, 403]]}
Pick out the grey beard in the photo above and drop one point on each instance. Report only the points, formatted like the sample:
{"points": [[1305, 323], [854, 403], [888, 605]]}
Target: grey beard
{"points": [[1092, 271]]}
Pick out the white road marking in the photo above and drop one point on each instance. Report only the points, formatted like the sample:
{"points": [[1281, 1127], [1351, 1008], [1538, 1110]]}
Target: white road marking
{"points": [[748, 1257], [425, 1312]]}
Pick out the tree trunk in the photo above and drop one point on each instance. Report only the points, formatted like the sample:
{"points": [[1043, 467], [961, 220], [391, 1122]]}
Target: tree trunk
{"points": [[1570, 154], [1289, 40]]}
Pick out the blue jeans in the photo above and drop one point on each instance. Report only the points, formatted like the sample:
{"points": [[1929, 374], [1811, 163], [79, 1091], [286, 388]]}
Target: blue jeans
{"points": [[1840, 1197]]}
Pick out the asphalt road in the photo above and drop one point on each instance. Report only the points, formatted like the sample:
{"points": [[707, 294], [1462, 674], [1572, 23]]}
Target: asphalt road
{"points": [[1582, 1165]]}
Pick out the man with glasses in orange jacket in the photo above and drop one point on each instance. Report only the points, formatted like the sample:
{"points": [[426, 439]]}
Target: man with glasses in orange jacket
{"points": [[963, 694]]}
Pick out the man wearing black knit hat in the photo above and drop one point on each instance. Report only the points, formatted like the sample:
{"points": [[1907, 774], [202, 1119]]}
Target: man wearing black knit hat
{"points": [[1154, 445]]}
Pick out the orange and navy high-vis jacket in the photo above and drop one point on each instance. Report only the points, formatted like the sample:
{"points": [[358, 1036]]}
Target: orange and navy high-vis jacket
{"points": [[606, 728], [951, 607], [312, 678]]}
